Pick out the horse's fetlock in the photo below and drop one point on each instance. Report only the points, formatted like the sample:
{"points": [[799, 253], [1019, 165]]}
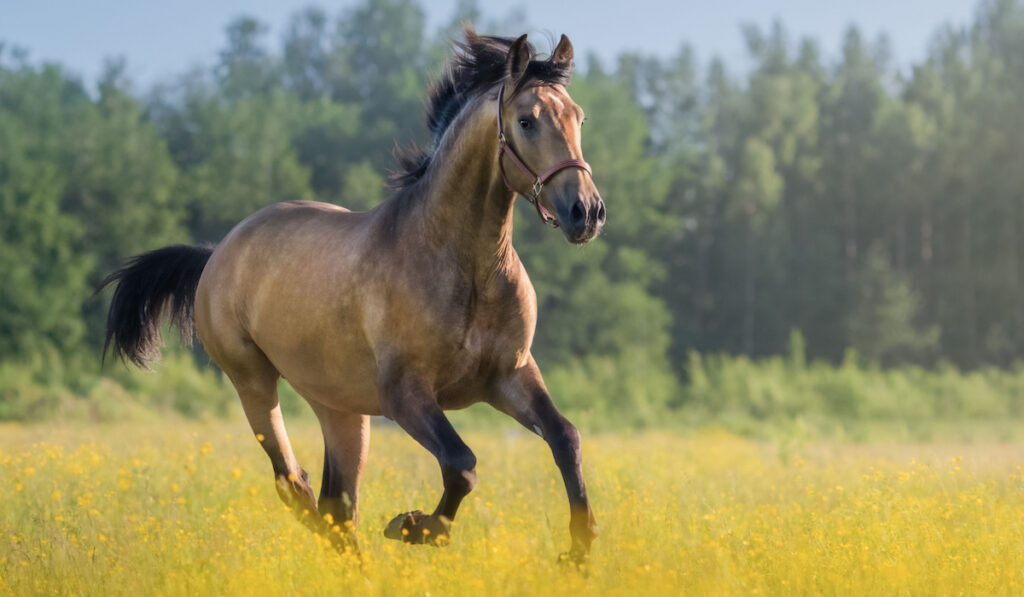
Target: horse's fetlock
{"points": [[460, 474], [465, 462], [469, 479]]}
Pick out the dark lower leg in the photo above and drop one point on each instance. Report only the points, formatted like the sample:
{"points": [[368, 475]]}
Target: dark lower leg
{"points": [[409, 403], [459, 475], [524, 397], [346, 443], [565, 447], [334, 498], [564, 440]]}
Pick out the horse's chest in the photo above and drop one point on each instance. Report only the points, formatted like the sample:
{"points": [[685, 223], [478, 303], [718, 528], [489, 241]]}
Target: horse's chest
{"points": [[493, 337], [455, 326]]}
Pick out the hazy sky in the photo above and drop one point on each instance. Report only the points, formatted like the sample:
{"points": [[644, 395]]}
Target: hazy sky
{"points": [[163, 38]]}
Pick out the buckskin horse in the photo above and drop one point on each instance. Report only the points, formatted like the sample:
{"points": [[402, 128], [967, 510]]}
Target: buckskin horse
{"points": [[417, 306]]}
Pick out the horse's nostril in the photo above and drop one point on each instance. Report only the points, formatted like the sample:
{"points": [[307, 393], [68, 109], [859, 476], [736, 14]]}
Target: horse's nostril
{"points": [[600, 212], [577, 213]]}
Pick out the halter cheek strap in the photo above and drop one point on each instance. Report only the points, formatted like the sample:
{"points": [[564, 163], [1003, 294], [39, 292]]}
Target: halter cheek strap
{"points": [[505, 149]]}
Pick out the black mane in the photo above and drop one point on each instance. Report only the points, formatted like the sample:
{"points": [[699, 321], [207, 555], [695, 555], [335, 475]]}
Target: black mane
{"points": [[476, 65]]}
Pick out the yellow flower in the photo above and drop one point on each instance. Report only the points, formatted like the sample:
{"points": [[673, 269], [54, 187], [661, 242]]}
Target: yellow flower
{"points": [[55, 496], [124, 483]]}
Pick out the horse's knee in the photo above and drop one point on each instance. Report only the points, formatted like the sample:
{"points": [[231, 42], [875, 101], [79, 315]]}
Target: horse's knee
{"points": [[564, 437], [459, 473]]}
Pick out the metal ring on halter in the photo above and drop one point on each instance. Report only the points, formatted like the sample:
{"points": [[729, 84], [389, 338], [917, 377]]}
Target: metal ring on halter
{"points": [[539, 181]]}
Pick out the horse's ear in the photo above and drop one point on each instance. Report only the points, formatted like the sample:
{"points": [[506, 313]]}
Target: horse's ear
{"points": [[562, 55], [517, 60]]}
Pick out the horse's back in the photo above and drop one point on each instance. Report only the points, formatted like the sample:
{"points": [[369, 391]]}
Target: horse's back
{"points": [[279, 241]]}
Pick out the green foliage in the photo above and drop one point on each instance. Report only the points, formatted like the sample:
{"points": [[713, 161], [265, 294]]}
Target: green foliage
{"points": [[43, 274], [775, 397], [247, 162], [121, 177], [882, 324], [777, 392], [51, 388], [26, 395], [631, 390]]}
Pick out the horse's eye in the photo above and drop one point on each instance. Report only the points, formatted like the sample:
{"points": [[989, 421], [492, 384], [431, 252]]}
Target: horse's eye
{"points": [[525, 124]]}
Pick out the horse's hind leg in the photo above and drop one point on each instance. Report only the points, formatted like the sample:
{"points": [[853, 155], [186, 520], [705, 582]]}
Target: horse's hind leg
{"points": [[256, 383], [346, 443]]}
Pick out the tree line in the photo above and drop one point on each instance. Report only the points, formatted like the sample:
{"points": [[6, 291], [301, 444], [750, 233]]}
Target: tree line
{"points": [[871, 208]]}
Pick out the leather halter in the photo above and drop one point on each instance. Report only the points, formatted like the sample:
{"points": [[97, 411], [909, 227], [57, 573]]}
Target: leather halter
{"points": [[504, 147]]}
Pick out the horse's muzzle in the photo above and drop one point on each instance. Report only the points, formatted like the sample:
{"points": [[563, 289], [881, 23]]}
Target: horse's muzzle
{"points": [[583, 219]]}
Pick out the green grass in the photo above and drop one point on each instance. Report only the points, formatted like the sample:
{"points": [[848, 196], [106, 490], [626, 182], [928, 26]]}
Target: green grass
{"points": [[772, 398]]}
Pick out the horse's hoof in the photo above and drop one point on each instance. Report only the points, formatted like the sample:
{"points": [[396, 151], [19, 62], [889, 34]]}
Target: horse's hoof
{"points": [[575, 560], [417, 527]]}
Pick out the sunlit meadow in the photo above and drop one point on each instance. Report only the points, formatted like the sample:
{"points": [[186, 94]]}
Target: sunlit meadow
{"points": [[190, 508]]}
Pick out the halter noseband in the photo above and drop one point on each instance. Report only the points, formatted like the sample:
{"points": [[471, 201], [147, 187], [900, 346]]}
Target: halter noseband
{"points": [[538, 181]]}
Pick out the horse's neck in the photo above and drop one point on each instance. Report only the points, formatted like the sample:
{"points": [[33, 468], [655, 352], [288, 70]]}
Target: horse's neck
{"points": [[467, 203]]}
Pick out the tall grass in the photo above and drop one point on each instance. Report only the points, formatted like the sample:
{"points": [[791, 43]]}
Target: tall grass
{"points": [[772, 396], [911, 402]]}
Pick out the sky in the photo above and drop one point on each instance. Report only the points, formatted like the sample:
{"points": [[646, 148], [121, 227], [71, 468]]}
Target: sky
{"points": [[161, 39]]}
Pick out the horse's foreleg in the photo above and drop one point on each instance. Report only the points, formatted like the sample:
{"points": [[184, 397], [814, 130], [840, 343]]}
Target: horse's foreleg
{"points": [[525, 398], [409, 402], [346, 443]]}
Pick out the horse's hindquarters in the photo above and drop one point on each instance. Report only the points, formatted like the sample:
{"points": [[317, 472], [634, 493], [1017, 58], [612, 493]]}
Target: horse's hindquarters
{"points": [[280, 293]]}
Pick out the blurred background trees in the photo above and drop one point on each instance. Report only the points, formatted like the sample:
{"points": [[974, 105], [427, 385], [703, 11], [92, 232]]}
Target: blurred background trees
{"points": [[868, 208]]}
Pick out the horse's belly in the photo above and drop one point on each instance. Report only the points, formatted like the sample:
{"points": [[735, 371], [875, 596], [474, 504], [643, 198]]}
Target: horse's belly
{"points": [[353, 394], [333, 367], [344, 387]]}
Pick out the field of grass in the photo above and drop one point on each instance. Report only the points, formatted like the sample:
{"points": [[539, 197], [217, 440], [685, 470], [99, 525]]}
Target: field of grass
{"points": [[186, 508]]}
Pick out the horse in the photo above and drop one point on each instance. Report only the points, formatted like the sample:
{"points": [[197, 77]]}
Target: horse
{"points": [[417, 306]]}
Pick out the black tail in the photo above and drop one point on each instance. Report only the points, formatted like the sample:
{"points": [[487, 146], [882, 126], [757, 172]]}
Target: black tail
{"points": [[145, 286]]}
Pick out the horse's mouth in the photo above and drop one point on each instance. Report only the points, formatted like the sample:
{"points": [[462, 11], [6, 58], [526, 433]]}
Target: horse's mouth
{"points": [[546, 214], [589, 234]]}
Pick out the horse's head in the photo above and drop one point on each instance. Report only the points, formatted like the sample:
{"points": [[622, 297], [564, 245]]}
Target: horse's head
{"points": [[540, 132]]}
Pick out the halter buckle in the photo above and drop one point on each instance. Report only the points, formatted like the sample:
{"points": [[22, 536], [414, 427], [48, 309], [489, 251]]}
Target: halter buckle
{"points": [[538, 186]]}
